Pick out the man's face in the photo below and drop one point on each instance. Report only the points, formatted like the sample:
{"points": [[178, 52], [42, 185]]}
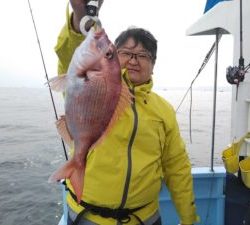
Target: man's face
{"points": [[137, 61]]}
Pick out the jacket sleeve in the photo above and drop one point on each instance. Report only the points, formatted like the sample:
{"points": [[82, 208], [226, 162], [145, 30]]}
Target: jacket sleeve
{"points": [[177, 172], [67, 42]]}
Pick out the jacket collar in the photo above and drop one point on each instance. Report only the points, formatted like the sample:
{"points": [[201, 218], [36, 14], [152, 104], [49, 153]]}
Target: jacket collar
{"points": [[145, 88]]}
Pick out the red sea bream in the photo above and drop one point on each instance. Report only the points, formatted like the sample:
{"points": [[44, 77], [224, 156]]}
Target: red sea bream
{"points": [[95, 96]]}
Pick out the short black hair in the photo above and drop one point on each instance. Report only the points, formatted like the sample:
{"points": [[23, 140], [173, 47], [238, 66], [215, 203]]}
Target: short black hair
{"points": [[139, 35]]}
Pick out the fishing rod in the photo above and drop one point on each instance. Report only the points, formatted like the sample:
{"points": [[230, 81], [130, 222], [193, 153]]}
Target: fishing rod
{"points": [[46, 74], [236, 74], [214, 97], [204, 63]]}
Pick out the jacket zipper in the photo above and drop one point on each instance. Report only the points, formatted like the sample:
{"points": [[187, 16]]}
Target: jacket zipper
{"points": [[131, 141]]}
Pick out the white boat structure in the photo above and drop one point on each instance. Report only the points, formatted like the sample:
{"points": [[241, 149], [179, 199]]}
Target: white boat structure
{"points": [[222, 199]]}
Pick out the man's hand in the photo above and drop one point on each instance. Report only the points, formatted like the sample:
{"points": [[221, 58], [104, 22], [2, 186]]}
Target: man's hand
{"points": [[79, 11]]}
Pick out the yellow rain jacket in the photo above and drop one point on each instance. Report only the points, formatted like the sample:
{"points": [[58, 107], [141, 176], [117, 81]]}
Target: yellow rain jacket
{"points": [[143, 149]]}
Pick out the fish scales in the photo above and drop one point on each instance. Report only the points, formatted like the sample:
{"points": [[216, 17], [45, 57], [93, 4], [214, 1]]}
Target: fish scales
{"points": [[95, 97], [87, 109]]}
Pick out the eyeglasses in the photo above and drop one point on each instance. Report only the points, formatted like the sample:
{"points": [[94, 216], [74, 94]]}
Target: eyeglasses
{"points": [[140, 56]]}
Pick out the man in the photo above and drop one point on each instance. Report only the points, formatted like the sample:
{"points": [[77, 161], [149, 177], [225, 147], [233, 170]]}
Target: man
{"points": [[123, 175]]}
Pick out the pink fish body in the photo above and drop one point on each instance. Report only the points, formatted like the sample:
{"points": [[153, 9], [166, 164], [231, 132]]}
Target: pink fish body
{"points": [[94, 97]]}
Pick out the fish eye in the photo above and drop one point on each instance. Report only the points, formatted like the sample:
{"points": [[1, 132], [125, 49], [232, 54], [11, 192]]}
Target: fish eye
{"points": [[109, 55]]}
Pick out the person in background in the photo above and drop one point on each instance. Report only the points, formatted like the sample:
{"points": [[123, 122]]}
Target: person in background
{"points": [[123, 180]]}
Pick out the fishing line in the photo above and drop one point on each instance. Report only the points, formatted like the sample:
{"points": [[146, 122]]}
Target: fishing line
{"points": [[46, 74], [204, 63], [241, 60], [190, 115]]}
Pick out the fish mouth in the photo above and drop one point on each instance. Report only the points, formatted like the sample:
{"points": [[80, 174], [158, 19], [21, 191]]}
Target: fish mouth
{"points": [[98, 32]]}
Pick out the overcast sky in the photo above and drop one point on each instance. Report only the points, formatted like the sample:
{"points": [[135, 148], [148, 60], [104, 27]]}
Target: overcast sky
{"points": [[179, 56]]}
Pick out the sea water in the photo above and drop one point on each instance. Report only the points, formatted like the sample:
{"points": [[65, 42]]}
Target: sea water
{"points": [[30, 148]]}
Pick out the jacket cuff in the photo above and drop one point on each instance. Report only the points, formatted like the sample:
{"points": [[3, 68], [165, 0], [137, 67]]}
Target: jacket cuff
{"points": [[72, 33]]}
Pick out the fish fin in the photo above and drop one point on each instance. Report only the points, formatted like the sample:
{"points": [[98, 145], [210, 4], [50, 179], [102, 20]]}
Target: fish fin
{"points": [[63, 131], [125, 101], [74, 173], [58, 83], [63, 172]]}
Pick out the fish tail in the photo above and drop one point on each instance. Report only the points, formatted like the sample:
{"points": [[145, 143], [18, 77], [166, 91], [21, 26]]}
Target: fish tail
{"points": [[74, 173]]}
